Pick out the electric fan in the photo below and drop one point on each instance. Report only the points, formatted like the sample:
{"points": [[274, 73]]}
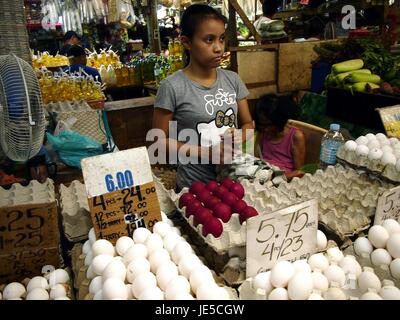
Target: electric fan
{"points": [[22, 120]]}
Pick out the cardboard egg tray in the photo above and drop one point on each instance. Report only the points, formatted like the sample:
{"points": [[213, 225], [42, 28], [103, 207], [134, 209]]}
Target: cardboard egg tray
{"points": [[35, 192], [75, 211], [164, 196]]}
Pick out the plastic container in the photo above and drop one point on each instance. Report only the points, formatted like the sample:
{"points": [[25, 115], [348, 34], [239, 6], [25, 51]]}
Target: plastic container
{"points": [[330, 144]]}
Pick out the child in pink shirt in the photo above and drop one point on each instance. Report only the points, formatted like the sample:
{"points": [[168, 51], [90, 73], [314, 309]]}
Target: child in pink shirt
{"points": [[280, 144]]}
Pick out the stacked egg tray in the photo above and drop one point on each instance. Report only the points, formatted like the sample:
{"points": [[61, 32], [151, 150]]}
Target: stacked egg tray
{"points": [[164, 195], [75, 211], [375, 154], [35, 192]]}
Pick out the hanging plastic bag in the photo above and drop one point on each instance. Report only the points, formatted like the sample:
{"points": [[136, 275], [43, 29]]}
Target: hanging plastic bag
{"points": [[72, 147]]}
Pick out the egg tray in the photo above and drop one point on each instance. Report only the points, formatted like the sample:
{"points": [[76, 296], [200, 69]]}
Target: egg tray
{"points": [[75, 211], [167, 177], [164, 196], [34, 193]]}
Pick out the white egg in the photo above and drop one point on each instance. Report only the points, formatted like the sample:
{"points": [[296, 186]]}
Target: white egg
{"points": [[373, 145], [199, 275], [368, 280], [58, 291], [178, 284], [100, 263], [129, 291], [263, 281], [89, 258], [301, 265], [387, 148], [115, 269], [370, 136], [152, 293], [300, 286], [391, 226], [92, 236], [363, 246], [394, 141], [37, 282], [96, 285], [38, 294], [388, 158], [165, 273], [315, 296], [187, 264], [62, 298], [184, 296], [350, 145], [396, 153], [322, 241], [90, 273], [114, 289], [135, 267], [389, 291], [384, 142], [87, 246], [393, 245], [58, 276], [318, 262], [395, 268], [380, 136], [1, 296], [157, 258], [98, 295], [350, 265], [398, 165], [177, 231], [361, 140], [378, 236], [335, 274], [375, 154], [103, 247], [13, 290], [162, 228], [362, 150], [154, 242], [123, 244], [181, 249], [278, 294], [140, 235], [281, 273], [334, 294], [371, 295], [335, 254], [380, 257], [138, 250], [320, 282], [142, 282], [171, 240]]}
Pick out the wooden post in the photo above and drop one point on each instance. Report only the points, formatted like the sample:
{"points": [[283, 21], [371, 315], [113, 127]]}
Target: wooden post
{"points": [[232, 36], [246, 20], [153, 28]]}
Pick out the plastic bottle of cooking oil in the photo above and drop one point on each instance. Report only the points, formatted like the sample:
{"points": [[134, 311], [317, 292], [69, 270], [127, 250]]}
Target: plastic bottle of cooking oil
{"points": [[330, 144]]}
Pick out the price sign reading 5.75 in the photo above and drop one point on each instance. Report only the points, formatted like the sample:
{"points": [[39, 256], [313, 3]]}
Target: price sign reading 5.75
{"points": [[286, 234], [388, 206]]}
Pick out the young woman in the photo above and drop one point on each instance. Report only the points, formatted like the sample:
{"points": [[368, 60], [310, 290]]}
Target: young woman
{"points": [[208, 100], [280, 144]]}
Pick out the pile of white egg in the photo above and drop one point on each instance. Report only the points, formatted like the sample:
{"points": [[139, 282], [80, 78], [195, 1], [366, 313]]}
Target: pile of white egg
{"points": [[149, 266], [51, 286]]}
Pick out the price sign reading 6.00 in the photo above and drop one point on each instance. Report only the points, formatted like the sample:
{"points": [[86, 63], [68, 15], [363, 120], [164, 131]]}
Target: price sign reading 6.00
{"points": [[286, 234]]}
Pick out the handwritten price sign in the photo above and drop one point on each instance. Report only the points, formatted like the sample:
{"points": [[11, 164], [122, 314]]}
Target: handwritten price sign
{"points": [[388, 206], [286, 234]]}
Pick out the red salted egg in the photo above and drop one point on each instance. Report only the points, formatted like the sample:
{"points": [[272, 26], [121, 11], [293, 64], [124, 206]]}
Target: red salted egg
{"points": [[227, 183], [212, 185], [213, 226], [222, 211], [192, 207], [218, 192], [185, 199], [202, 216], [229, 198], [204, 195], [246, 213], [239, 206], [237, 189], [212, 202], [196, 187]]}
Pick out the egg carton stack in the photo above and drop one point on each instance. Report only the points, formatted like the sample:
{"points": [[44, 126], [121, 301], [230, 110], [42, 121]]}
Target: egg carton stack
{"points": [[52, 285], [156, 266], [75, 211], [380, 251], [347, 200], [329, 276], [375, 153]]}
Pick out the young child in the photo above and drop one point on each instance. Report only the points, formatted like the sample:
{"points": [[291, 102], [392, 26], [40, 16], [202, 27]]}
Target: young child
{"points": [[202, 98], [280, 144]]}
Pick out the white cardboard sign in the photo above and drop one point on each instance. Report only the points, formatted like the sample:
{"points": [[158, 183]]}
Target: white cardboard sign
{"points": [[286, 234], [388, 206]]}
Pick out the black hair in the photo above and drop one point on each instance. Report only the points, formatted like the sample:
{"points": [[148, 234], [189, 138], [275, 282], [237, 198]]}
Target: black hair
{"points": [[69, 34], [76, 51], [269, 7], [277, 109]]}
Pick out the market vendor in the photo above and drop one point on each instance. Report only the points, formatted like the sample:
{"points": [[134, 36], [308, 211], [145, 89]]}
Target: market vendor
{"points": [[77, 60], [202, 98], [71, 38]]}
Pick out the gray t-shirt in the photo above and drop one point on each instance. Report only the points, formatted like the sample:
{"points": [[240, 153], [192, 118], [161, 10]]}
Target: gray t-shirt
{"points": [[208, 111]]}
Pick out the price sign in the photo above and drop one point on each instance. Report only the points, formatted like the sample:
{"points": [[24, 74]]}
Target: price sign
{"points": [[286, 234], [122, 194], [390, 117], [388, 206]]}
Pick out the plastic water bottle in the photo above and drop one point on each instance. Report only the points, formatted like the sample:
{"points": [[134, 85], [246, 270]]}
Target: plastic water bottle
{"points": [[330, 144]]}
